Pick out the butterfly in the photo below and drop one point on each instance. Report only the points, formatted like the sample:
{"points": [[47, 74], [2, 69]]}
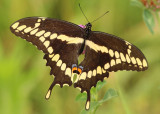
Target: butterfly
{"points": [[63, 42]]}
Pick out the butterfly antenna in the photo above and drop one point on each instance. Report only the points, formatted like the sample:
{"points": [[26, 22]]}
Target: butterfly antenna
{"points": [[83, 12], [100, 16]]}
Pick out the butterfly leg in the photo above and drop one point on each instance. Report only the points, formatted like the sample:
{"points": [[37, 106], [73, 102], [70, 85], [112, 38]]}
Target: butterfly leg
{"points": [[88, 100], [50, 90]]}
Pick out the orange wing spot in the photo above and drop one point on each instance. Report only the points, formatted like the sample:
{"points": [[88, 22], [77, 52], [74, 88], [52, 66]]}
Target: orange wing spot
{"points": [[79, 70], [74, 68]]}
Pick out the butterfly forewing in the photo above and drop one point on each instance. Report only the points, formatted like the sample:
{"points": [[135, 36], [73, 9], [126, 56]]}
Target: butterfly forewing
{"points": [[43, 31]]}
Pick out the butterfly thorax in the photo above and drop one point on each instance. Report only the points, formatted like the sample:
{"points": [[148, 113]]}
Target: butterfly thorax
{"points": [[87, 30], [86, 36]]}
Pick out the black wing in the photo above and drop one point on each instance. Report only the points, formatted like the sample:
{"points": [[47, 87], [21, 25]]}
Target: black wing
{"points": [[59, 40], [105, 53]]}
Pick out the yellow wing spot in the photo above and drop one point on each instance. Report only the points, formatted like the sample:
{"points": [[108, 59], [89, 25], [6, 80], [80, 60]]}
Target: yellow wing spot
{"points": [[83, 76], [144, 63], [38, 34], [37, 25], [58, 84], [127, 58], [34, 31], [70, 39], [135, 65], [122, 57], [111, 52], [59, 63], [42, 39], [96, 47], [46, 44], [118, 61], [48, 94], [140, 67], [127, 43], [65, 85], [39, 20], [116, 54], [68, 72], [129, 46], [106, 66], [75, 41], [87, 105], [89, 74], [21, 27], [47, 34], [43, 18], [138, 61], [16, 30], [28, 29], [53, 36], [104, 49], [94, 72], [133, 60], [112, 62], [99, 70], [129, 52], [78, 88], [103, 71], [51, 56], [56, 58], [63, 67], [15, 25]]}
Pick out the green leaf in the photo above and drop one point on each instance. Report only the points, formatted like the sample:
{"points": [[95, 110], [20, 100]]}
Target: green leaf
{"points": [[137, 3], [94, 94], [100, 85], [81, 97], [111, 93], [94, 90], [148, 19]]}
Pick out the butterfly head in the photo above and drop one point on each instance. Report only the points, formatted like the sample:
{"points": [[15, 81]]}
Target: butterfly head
{"points": [[88, 26]]}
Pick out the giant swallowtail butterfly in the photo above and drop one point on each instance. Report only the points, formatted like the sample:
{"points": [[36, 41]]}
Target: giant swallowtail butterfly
{"points": [[62, 42]]}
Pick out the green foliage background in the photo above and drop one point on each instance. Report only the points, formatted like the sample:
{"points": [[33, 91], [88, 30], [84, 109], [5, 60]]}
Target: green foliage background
{"points": [[24, 78]]}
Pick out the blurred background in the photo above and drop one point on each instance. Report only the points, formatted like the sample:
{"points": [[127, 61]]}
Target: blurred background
{"points": [[24, 78]]}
